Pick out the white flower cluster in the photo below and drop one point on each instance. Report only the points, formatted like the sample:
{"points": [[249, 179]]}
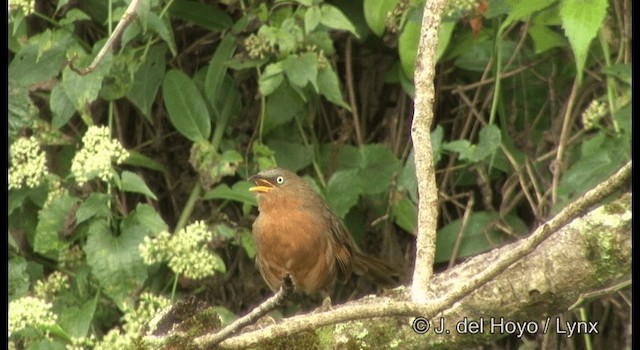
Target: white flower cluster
{"points": [[30, 312], [593, 114], [186, 251], [56, 282], [96, 155], [454, 7], [28, 163], [134, 321], [27, 6]]}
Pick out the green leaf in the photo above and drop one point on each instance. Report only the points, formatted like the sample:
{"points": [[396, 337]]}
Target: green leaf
{"points": [[405, 215], [301, 70], [248, 244], [479, 236], [186, 108], [375, 14], [41, 58], [408, 46], [97, 204], [115, 261], [329, 87], [132, 182], [311, 19], [18, 277], [53, 222], [147, 80], [444, 37], [83, 89], [149, 218], [205, 15], [581, 20], [217, 70], [281, 107], [522, 9], [77, 320], [61, 107], [343, 190], [332, 17], [490, 139], [140, 160], [162, 27], [271, 78], [545, 39], [407, 179], [239, 193], [377, 168], [291, 155], [620, 71]]}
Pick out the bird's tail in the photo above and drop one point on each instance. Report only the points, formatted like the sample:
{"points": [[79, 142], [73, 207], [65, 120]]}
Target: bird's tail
{"points": [[376, 270]]}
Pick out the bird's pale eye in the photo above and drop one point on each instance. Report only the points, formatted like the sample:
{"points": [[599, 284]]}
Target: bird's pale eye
{"points": [[280, 180]]}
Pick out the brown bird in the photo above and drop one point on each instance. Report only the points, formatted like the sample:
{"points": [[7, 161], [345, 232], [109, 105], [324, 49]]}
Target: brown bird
{"points": [[296, 233]]}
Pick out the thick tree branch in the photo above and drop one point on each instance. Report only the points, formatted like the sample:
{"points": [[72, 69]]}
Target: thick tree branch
{"points": [[481, 286]]}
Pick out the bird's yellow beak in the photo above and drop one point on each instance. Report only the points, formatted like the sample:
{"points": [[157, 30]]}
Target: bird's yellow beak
{"points": [[263, 186]]}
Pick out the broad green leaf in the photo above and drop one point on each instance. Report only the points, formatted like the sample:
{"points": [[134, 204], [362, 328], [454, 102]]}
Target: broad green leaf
{"points": [[149, 218], [302, 69], [239, 192], [18, 277], [311, 19], [61, 107], [377, 168], [248, 244], [291, 155], [600, 156], [271, 78], [620, 71], [405, 215], [407, 179], [83, 89], [522, 9], [22, 111], [147, 80], [581, 21], [115, 260], [217, 70], [375, 14], [343, 190], [41, 58], [489, 141], [162, 27], [481, 235], [408, 46], [132, 182], [54, 221], [332, 17], [140, 160], [305, 2], [329, 87], [186, 108], [545, 39], [444, 36], [281, 107], [77, 320], [205, 15], [97, 204], [227, 103]]}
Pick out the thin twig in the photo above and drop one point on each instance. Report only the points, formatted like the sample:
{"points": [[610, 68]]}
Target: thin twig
{"points": [[125, 20], [270, 304], [348, 62]]}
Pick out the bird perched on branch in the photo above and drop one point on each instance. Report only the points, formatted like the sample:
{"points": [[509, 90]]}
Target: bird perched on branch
{"points": [[296, 233]]}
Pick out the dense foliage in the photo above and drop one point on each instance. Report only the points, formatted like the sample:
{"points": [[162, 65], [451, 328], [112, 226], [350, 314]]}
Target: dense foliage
{"points": [[127, 184]]}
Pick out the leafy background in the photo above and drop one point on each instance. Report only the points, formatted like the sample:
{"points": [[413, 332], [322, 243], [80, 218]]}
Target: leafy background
{"points": [[205, 93]]}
